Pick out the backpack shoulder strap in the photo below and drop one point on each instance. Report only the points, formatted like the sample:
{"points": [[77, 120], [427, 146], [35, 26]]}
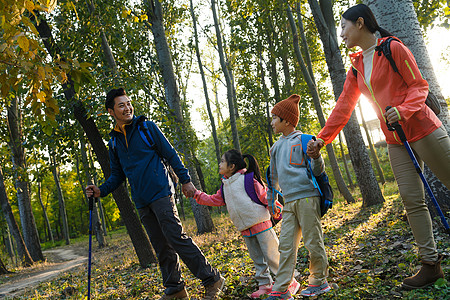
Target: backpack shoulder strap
{"points": [[385, 48], [221, 192], [250, 188], [305, 138], [145, 133]]}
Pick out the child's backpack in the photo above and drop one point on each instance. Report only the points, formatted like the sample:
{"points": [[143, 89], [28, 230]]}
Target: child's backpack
{"points": [[146, 136], [321, 182], [251, 192], [385, 48]]}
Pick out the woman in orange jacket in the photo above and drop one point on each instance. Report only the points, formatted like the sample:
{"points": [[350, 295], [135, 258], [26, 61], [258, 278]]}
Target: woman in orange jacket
{"points": [[405, 92]]}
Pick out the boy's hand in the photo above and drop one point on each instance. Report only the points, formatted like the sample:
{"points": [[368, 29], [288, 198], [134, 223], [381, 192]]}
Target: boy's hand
{"points": [[313, 149]]}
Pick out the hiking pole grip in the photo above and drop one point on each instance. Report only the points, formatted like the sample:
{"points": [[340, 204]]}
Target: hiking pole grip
{"points": [[396, 127]]}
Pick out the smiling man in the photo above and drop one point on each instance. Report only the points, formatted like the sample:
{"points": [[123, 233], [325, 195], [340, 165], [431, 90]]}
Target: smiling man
{"points": [[138, 157]]}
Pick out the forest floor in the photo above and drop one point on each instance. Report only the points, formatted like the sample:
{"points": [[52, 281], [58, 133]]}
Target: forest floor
{"points": [[370, 252]]}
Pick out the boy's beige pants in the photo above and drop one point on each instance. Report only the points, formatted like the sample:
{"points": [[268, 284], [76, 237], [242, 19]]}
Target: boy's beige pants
{"points": [[301, 218], [434, 150]]}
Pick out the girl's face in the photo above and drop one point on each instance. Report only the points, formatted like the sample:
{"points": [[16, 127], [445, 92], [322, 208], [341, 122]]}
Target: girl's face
{"points": [[225, 169], [351, 32]]}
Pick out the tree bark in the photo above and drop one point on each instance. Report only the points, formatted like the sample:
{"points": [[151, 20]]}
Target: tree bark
{"points": [[310, 81], [3, 269], [367, 182], [29, 228], [22, 249], [154, 12], [228, 79], [139, 238], [373, 152], [44, 214], [205, 87], [62, 204], [400, 19]]}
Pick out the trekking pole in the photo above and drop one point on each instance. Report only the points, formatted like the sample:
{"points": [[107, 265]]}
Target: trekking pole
{"points": [[401, 134], [91, 208]]}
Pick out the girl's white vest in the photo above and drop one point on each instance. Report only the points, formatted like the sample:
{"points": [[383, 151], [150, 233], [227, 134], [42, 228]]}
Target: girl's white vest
{"points": [[243, 211]]}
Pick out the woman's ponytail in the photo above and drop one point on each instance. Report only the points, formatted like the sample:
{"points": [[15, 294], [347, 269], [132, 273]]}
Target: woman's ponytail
{"points": [[253, 167], [383, 32]]}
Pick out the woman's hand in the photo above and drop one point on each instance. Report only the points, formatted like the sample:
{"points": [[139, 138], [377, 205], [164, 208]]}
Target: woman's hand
{"points": [[313, 149], [392, 115]]}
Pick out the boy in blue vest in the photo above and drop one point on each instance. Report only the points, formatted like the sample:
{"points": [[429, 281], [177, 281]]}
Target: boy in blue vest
{"points": [[132, 158], [301, 212]]}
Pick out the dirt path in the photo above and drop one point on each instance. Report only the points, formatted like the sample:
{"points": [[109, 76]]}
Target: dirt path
{"points": [[59, 261]]}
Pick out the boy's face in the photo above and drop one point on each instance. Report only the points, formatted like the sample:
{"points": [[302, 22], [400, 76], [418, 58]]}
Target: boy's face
{"points": [[278, 126], [123, 110]]}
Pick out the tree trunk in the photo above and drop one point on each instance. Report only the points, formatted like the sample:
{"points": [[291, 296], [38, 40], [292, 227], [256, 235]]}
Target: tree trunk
{"points": [[29, 229], [205, 87], [400, 19], [228, 79], [272, 59], [44, 214], [22, 250], [344, 159], [373, 152], [310, 81], [139, 238], [154, 12], [62, 203], [367, 182], [3, 269]]}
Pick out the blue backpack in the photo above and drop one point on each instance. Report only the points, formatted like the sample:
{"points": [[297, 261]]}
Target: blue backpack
{"points": [[321, 182]]}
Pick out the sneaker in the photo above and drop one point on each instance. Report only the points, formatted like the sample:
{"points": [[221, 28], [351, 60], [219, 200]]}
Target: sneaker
{"points": [[178, 295], [212, 291], [278, 295], [263, 289], [314, 290], [294, 287]]}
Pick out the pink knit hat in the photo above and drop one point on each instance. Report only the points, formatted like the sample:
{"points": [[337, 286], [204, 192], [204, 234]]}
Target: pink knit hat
{"points": [[288, 109]]}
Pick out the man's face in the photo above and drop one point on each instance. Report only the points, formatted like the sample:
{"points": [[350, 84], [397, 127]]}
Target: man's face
{"points": [[123, 110]]}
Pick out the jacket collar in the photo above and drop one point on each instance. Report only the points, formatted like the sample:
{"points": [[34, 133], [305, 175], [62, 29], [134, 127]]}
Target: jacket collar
{"points": [[127, 127]]}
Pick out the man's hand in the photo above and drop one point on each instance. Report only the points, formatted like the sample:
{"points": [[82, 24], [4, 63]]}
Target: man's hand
{"points": [[188, 189], [313, 149], [92, 191]]}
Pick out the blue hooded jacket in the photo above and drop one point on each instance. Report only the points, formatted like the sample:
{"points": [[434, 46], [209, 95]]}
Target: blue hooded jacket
{"points": [[132, 158]]}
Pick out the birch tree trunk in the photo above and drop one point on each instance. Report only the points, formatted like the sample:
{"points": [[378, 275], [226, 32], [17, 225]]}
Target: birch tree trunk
{"points": [[367, 182], [29, 228], [400, 19], [22, 250], [228, 79], [205, 87], [154, 12], [62, 203], [310, 81], [139, 238]]}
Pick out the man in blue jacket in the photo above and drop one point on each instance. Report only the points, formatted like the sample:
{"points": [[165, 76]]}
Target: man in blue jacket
{"points": [[131, 157]]}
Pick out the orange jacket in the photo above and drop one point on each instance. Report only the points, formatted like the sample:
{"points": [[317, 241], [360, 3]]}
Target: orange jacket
{"points": [[406, 91]]}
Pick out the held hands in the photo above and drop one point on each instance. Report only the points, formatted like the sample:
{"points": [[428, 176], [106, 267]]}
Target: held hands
{"points": [[92, 191], [313, 149], [188, 189], [275, 212]]}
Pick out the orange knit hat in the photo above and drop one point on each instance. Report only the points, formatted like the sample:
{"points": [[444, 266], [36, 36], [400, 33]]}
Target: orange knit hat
{"points": [[288, 109]]}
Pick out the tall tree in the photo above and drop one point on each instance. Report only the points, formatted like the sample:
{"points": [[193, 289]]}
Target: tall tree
{"points": [[400, 18], [228, 78], [29, 228], [61, 201], [22, 250], [155, 16], [367, 182], [309, 78], [138, 237], [205, 87]]}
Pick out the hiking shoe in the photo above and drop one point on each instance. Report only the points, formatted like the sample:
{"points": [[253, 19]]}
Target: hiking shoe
{"points": [[178, 295], [274, 295], [263, 289], [212, 291], [314, 290], [294, 287], [427, 275]]}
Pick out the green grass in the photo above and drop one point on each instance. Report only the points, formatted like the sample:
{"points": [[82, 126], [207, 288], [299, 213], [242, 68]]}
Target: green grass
{"points": [[370, 251]]}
